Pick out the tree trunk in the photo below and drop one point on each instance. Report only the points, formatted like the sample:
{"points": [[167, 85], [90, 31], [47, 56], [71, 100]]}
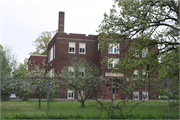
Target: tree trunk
{"points": [[82, 104], [39, 101]]}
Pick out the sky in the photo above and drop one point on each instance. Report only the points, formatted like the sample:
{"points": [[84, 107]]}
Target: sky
{"points": [[22, 21]]}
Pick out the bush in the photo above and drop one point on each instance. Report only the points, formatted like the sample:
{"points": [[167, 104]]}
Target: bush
{"points": [[175, 97], [174, 103], [25, 97], [163, 98]]}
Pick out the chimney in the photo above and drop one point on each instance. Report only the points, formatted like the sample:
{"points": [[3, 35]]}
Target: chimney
{"points": [[61, 22]]}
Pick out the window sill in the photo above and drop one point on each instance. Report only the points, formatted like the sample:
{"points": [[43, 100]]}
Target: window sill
{"points": [[82, 53], [72, 52], [113, 53]]}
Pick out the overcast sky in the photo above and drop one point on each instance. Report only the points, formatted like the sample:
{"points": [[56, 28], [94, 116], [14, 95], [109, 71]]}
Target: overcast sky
{"points": [[23, 20]]}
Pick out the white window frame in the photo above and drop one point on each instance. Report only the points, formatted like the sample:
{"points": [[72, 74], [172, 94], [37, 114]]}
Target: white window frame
{"points": [[144, 52], [143, 94], [113, 49], [82, 46], [136, 73], [112, 62], [135, 93], [72, 45], [70, 92], [51, 54]]}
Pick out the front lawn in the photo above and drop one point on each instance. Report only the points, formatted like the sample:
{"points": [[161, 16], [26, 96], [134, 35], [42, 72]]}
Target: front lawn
{"points": [[13, 108]]}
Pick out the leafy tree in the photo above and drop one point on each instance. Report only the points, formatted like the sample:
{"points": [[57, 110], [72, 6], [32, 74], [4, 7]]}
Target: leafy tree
{"points": [[81, 76], [139, 25], [19, 76], [8, 64], [150, 23], [37, 81], [41, 43]]}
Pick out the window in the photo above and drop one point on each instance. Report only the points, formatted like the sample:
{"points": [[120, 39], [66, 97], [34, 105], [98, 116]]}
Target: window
{"points": [[136, 53], [98, 46], [144, 95], [136, 95], [112, 62], [82, 72], [113, 49], [51, 72], [70, 71], [144, 52], [82, 48], [135, 75], [144, 74], [52, 53], [29, 62], [72, 47], [70, 94]]}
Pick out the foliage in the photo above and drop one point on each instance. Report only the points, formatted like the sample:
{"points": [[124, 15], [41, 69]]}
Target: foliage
{"points": [[148, 24], [41, 42], [82, 76], [174, 103], [37, 82], [163, 98], [19, 76], [8, 64]]}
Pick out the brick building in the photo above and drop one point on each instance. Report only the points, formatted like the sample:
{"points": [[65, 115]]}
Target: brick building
{"points": [[63, 47]]}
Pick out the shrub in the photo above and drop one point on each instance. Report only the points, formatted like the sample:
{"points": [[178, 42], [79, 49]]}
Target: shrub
{"points": [[25, 97], [163, 98], [174, 103]]}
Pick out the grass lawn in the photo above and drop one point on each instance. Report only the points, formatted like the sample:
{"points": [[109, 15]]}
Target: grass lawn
{"points": [[9, 108]]}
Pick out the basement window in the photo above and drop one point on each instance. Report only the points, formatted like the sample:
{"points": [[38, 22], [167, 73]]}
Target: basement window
{"points": [[136, 95], [70, 94]]}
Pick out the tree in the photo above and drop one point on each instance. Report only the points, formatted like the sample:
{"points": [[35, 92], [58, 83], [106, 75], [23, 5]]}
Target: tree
{"points": [[150, 23], [41, 43], [8, 64], [37, 81], [142, 26], [81, 76], [19, 76]]}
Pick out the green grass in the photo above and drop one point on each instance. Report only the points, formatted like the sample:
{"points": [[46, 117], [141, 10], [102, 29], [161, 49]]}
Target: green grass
{"points": [[12, 107]]}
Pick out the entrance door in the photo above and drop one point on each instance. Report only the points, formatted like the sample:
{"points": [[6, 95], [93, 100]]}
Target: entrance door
{"points": [[116, 92]]}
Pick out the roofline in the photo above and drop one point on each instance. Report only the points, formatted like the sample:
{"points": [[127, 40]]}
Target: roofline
{"points": [[38, 55]]}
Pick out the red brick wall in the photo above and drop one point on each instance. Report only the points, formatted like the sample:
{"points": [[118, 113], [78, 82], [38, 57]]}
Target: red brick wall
{"points": [[36, 60]]}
